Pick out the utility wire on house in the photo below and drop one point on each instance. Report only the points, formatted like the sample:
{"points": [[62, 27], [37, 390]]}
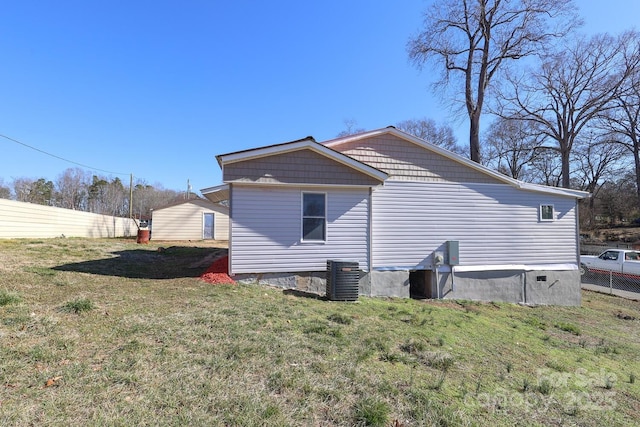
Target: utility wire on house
{"points": [[62, 158]]}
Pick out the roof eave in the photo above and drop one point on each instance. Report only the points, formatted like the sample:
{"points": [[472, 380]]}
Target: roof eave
{"points": [[578, 194], [216, 194]]}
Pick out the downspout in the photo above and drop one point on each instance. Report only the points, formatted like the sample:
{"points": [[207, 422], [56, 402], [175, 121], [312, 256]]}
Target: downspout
{"points": [[523, 283], [452, 276], [577, 236], [230, 246], [370, 235]]}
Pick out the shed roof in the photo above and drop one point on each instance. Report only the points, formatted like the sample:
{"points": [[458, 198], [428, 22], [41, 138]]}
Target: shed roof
{"points": [[197, 200]]}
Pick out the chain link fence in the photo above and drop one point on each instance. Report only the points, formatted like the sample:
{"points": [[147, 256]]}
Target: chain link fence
{"points": [[613, 282]]}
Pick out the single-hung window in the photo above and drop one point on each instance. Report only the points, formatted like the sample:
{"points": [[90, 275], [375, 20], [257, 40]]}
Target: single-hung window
{"points": [[314, 216], [546, 213]]}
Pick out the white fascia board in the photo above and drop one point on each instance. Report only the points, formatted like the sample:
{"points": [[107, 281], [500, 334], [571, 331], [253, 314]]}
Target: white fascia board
{"points": [[262, 152], [300, 145], [301, 185], [524, 267], [358, 136], [498, 267], [554, 190], [215, 189]]}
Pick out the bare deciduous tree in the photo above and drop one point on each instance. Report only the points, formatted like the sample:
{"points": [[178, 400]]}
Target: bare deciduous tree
{"points": [[623, 121], [546, 168], [613, 200], [570, 90], [38, 191], [5, 191], [428, 130], [351, 128], [596, 163], [147, 197], [110, 198], [511, 146], [476, 39], [71, 189], [78, 189], [22, 187]]}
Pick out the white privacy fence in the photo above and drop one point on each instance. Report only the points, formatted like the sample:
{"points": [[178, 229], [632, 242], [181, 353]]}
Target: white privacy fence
{"points": [[28, 220]]}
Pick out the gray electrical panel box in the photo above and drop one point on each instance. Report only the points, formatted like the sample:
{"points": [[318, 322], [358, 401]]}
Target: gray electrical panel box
{"points": [[453, 252]]}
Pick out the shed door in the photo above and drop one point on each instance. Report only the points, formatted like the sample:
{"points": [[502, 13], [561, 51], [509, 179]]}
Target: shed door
{"points": [[207, 232]]}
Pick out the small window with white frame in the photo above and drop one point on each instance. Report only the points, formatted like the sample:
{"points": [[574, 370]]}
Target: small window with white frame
{"points": [[314, 217], [547, 213]]}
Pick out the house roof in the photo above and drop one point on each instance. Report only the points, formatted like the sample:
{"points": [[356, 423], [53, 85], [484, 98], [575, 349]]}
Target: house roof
{"points": [[216, 194], [335, 144], [331, 149], [308, 143]]}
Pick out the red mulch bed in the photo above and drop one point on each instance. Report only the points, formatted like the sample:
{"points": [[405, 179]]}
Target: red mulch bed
{"points": [[217, 273]]}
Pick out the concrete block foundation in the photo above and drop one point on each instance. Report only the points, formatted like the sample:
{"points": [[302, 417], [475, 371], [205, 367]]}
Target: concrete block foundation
{"points": [[546, 287], [535, 287], [313, 282]]}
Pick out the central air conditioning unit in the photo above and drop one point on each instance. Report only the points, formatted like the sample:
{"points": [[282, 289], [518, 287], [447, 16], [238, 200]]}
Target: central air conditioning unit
{"points": [[343, 278]]}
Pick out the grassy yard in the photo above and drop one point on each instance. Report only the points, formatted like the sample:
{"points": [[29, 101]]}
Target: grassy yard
{"points": [[107, 332]]}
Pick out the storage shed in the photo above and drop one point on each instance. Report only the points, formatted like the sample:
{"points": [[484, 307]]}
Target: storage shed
{"points": [[195, 219]]}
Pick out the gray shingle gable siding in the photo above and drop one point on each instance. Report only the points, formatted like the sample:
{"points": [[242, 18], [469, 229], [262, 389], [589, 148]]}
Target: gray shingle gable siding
{"points": [[403, 160], [296, 167]]}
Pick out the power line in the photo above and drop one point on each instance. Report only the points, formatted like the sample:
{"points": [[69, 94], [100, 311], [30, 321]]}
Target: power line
{"points": [[62, 158]]}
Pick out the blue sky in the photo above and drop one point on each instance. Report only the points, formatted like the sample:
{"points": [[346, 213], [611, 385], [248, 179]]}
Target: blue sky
{"points": [[158, 88]]}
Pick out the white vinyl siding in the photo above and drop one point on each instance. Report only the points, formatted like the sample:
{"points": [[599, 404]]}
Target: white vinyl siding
{"points": [[185, 221], [495, 224], [266, 225]]}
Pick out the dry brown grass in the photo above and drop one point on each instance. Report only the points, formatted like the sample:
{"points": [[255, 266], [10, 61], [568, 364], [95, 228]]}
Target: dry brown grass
{"points": [[151, 344]]}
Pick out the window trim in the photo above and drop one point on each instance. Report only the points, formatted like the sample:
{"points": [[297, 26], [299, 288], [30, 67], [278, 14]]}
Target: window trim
{"points": [[541, 212], [302, 217]]}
